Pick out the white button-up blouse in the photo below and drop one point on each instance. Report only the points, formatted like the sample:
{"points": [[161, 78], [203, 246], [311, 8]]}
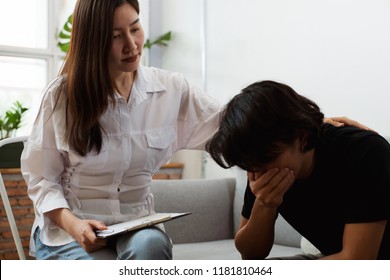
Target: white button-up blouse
{"points": [[163, 115]]}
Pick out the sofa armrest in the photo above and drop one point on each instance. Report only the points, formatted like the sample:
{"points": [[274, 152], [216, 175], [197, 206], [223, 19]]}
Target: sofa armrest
{"points": [[209, 200]]}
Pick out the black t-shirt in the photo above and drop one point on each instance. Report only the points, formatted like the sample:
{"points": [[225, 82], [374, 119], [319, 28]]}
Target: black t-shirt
{"points": [[350, 183]]}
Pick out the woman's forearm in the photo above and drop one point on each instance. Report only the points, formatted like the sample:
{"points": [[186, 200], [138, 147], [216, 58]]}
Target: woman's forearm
{"points": [[63, 217]]}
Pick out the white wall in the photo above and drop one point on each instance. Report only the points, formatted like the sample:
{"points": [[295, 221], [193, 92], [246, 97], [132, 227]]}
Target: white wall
{"points": [[182, 55], [336, 52]]}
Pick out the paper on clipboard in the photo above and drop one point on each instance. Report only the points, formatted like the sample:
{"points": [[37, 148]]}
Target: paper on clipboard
{"points": [[142, 222]]}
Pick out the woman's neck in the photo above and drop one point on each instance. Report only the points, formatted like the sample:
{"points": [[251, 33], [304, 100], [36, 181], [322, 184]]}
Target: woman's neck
{"points": [[124, 84]]}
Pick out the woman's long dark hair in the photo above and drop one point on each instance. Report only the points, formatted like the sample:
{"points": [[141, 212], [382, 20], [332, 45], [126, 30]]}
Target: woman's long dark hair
{"points": [[259, 123], [88, 85]]}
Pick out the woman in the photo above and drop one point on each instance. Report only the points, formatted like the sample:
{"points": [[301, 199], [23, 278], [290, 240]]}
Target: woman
{"points": [[106, 124], [104, 127]]}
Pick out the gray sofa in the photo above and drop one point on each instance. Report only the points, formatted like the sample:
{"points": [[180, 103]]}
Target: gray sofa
{"points": [[208, 233]]}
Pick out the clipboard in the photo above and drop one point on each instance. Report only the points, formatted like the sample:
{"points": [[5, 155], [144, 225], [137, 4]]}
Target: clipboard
{"points": [[138, 223]]}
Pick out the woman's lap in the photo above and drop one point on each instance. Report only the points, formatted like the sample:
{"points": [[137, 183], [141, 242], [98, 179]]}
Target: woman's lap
{"points": [[149, 243]]}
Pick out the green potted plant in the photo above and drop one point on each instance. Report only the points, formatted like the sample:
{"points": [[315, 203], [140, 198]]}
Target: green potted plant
{"points": [[10, 122]]}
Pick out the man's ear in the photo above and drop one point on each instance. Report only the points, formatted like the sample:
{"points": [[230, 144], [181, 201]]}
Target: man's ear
{"points": [[303, 141]]}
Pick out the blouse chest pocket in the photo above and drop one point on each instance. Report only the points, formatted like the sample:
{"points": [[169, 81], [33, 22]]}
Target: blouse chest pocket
{"points": [[160, 138], [160, 143]]}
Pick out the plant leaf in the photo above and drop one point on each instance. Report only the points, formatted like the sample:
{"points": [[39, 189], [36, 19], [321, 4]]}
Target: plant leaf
{"points": [[160, 41], [12, 119], [64, 35]]}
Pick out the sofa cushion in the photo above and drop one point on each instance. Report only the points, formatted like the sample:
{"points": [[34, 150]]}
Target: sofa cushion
{"points": [[284, 251], [285, 234], [223, 250], [308, 248], [201, 197], [212, 250]]}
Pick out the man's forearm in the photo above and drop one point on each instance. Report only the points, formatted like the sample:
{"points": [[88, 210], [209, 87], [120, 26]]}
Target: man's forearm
{"points": [[255, 239]]}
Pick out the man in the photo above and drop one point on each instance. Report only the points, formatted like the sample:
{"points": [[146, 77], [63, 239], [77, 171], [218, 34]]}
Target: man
{"points": [[332, 184]]}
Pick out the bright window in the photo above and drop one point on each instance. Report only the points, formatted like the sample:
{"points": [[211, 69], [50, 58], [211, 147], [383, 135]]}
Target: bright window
{"points": [[24, 23], [29, 56], [19, 84]]}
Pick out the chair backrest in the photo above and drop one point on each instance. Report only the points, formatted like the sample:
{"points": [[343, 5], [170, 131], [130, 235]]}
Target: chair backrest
{"points": [[10, 152]]}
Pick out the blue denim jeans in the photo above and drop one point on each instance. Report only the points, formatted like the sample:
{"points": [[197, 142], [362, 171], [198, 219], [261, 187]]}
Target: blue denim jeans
{"points": [[145, 244]]}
